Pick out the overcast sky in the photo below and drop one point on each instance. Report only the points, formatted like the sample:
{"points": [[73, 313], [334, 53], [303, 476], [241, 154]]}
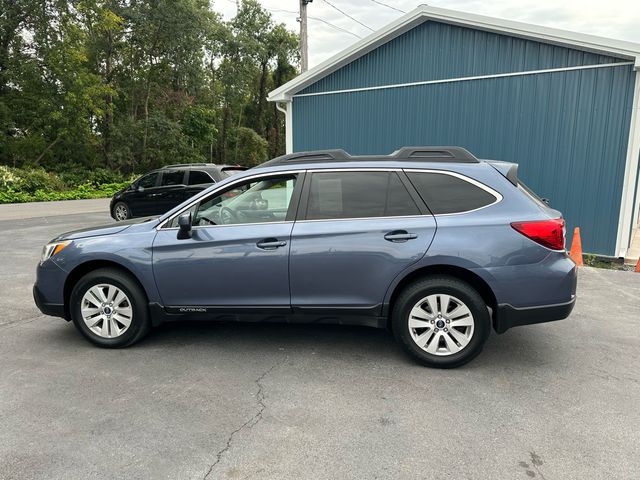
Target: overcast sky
{"points": [[609, 18]]}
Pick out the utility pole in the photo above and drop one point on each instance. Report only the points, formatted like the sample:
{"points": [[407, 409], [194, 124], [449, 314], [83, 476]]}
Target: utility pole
{"points": [[304, 45]]}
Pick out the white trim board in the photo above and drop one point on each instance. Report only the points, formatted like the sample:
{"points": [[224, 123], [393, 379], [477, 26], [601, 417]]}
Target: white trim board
{"points": [[627, 208], [466, 79], [604, 46]]}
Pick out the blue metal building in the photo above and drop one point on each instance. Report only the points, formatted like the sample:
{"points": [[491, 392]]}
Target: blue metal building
{"points": [[563, 105]]}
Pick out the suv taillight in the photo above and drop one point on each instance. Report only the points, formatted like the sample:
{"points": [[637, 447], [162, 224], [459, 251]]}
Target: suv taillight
{"points": [[548, 233]]}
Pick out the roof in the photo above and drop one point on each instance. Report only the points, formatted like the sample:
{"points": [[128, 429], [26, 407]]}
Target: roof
{"points": [[423, 13]]}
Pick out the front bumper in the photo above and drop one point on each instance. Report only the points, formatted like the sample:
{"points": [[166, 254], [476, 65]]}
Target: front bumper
{"points": [[507, 316], [53, 309]]}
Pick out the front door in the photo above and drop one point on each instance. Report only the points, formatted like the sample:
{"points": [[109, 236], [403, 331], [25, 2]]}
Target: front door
{"points": [[140, 199], [171, 192], [238, 255], [356, 231]]}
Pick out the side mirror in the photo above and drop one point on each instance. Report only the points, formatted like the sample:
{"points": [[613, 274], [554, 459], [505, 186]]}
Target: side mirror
{"points": [[184, 223]]}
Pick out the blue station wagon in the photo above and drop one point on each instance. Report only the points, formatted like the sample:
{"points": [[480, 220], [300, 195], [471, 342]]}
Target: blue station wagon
{"points": [[430, 242]]}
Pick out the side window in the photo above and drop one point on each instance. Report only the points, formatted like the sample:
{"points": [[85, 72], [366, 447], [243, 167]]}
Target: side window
{"points": [[358, 195], [256, 201], [148, 181], [172, 177], [448, 194], [198, 177]]}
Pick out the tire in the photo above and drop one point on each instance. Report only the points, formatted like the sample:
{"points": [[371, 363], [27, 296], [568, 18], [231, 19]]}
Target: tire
{"points": [[121, 212], [110, 329], [458, 337]]}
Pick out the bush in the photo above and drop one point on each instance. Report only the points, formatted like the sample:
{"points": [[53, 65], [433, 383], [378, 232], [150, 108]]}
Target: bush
{"points": [[36, 185]]}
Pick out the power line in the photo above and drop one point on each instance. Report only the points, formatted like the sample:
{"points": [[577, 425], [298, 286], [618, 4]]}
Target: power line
{"points": [[317, 19], [335, 26], [388, 6], [347, 15]]}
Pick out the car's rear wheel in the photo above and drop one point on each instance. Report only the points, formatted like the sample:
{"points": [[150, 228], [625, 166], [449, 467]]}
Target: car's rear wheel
{"points": [[441, 321], [110, 308], [121, 211]]}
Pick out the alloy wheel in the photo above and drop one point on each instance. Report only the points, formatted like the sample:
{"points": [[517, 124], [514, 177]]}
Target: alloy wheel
{"points": [[106, 310], [121, 212], [441, 324]]}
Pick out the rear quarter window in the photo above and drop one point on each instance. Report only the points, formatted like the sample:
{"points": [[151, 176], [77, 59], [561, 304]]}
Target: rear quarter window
{"points": [[445, 193]]}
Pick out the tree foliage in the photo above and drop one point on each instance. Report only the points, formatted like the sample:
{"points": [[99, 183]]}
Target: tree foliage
{"points": [[130, 85]]}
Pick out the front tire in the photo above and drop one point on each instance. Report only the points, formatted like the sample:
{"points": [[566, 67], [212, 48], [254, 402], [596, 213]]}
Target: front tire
{"points": [[441, 321], [121, 212], [109, 308]]}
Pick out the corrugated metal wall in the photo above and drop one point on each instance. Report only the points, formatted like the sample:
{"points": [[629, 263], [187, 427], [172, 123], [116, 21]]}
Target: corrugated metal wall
{"points": [[434, 51], [567, 130]]}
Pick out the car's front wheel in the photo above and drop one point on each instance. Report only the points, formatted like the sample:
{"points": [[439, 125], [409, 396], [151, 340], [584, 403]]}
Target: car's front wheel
{"points": [[109, 308], [121, 211], [441, 321]]}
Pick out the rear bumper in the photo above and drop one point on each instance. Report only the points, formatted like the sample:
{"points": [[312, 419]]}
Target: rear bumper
{"points": [[53, 309], [508, 316]]}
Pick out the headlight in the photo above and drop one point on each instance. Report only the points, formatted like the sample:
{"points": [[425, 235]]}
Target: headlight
{"points": [[51, 249]]}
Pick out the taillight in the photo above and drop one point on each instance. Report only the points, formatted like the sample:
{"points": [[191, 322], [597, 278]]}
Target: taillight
{"points": [[548, 233]]}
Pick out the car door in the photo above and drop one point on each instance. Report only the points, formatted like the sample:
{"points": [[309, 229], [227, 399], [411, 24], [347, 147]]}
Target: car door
{"points": [[171, 191], [140, 198], [238, 255], [356, 231]]}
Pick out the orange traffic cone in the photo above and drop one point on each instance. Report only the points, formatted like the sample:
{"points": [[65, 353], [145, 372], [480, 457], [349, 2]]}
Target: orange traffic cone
{"points": [[576, 248], [638, 266]]}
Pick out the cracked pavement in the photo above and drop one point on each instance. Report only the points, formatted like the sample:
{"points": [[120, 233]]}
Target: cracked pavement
{"points": [[242, 401]]}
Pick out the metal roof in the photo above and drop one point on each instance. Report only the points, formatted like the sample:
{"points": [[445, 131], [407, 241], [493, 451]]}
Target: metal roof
{"points": [[423, 13]]}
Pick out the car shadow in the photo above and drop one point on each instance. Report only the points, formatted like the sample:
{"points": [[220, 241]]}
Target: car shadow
{"points": [[520, 348]]}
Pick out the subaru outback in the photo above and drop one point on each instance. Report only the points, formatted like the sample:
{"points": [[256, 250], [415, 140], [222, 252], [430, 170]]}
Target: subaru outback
{"points": [[429, 242]]}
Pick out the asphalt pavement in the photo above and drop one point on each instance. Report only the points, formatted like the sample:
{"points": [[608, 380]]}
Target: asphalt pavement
{"points": [[252, 401]]}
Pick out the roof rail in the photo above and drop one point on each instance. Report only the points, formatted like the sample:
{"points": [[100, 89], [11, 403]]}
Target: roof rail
{"points": [[176, 165], [436, 154], [419, 154], [315, 156]]}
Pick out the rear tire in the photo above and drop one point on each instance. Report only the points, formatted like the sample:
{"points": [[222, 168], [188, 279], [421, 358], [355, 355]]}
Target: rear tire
{"points": [[121, 212], [441, 321], [110, 308]]}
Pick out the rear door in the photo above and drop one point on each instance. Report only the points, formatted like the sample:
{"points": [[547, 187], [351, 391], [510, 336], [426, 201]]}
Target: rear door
{"points": [[355, 232], [197, 180]]}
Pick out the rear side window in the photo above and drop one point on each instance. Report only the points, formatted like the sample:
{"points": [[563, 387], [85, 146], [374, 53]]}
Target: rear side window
{"points": [[172, 177], [448, 194], [358, 195], [197, 177]]}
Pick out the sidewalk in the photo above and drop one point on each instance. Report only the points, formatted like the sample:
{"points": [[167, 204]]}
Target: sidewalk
{"points": [[14, 211], [634, 250]]}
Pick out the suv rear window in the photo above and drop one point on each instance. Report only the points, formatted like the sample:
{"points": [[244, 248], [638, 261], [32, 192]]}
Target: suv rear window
{"points": [[445, 193], [358, 195]]}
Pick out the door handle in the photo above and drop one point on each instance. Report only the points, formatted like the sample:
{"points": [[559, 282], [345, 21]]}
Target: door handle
{"points": [[270, 244], [154, 195], [399, 236]]}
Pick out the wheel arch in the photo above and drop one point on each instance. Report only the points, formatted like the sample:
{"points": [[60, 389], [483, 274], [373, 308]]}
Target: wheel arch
{"points": [[82, 269], [461, 273]]}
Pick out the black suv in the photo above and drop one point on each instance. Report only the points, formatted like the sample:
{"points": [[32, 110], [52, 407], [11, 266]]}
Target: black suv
{"points": [[160, 190]]}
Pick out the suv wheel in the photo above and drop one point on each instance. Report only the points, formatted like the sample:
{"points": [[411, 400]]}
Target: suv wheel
{"points": [[121, 212], [441, 321], [109, 308]]}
